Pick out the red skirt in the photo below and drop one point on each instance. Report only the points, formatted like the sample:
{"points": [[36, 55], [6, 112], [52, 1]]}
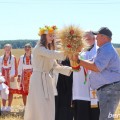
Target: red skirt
{"points": [[6, 74], [25, 79]]}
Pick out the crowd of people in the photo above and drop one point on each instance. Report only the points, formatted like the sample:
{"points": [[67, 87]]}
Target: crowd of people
{"points": [[75, 98], [12, 72], [52, 90]]}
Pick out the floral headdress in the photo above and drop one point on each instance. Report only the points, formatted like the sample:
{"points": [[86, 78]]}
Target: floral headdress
{"points": [[47, 30]]}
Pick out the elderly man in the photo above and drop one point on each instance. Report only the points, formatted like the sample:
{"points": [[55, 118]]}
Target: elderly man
{"points": [[105, 75], [89, 55]]}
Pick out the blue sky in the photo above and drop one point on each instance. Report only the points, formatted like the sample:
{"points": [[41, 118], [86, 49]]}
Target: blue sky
{"points": [[21, 19]]}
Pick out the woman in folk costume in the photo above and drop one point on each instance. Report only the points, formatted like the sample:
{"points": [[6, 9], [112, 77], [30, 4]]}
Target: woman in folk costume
{"points": [[24, 72], [8, 68], [40, 102]]}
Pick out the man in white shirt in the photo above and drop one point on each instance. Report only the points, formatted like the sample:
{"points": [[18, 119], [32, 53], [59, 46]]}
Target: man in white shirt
{"points": [[81, 94], [81, 97], [89, 55], [84, 98]]}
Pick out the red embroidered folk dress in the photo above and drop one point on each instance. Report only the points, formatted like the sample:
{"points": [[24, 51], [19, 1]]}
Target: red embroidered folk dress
{"points": [[8, 68], [25, 70]]}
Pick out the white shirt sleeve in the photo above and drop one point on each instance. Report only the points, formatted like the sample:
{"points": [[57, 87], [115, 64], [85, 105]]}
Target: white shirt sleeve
{"points": [[65, 70], [58, 55], [13, 67]]}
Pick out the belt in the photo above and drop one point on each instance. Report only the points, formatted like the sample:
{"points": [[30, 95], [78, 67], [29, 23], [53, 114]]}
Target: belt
{"points": [[108, 85], [45, 84]]}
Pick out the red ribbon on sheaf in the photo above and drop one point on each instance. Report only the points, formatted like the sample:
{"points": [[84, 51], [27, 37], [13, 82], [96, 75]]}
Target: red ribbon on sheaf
{"points": [[77, 68], [71, 32], [69, 46], [85, 72]]}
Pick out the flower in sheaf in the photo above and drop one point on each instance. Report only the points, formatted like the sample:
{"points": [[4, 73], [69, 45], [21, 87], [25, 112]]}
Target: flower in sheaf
{"points": [[69, 46], [71, 32]]}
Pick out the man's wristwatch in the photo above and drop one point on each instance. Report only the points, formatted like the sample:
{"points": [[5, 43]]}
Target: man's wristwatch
{"points": [[78, 61]]}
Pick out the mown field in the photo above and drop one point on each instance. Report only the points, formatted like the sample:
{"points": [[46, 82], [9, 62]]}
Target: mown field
{"points": [[15, 52], [118, 50], [17, 105]]}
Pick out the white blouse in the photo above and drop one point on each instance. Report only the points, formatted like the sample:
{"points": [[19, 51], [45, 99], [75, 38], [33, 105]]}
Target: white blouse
{"points": [[22, 66], [81, 91], [9, 65]]}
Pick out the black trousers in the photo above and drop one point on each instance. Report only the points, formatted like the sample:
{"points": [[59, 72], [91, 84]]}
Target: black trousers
{"points": [[81, 110], [94, 113], [62, 110]]}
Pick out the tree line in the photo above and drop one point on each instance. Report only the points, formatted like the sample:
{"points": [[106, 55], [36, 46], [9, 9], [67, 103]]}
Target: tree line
{"points": [[116, 45], [18, 44]]}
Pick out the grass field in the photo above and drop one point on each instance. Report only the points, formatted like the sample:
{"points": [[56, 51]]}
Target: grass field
{"points": [[15, 52], [17, 112], [17, 105]]}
